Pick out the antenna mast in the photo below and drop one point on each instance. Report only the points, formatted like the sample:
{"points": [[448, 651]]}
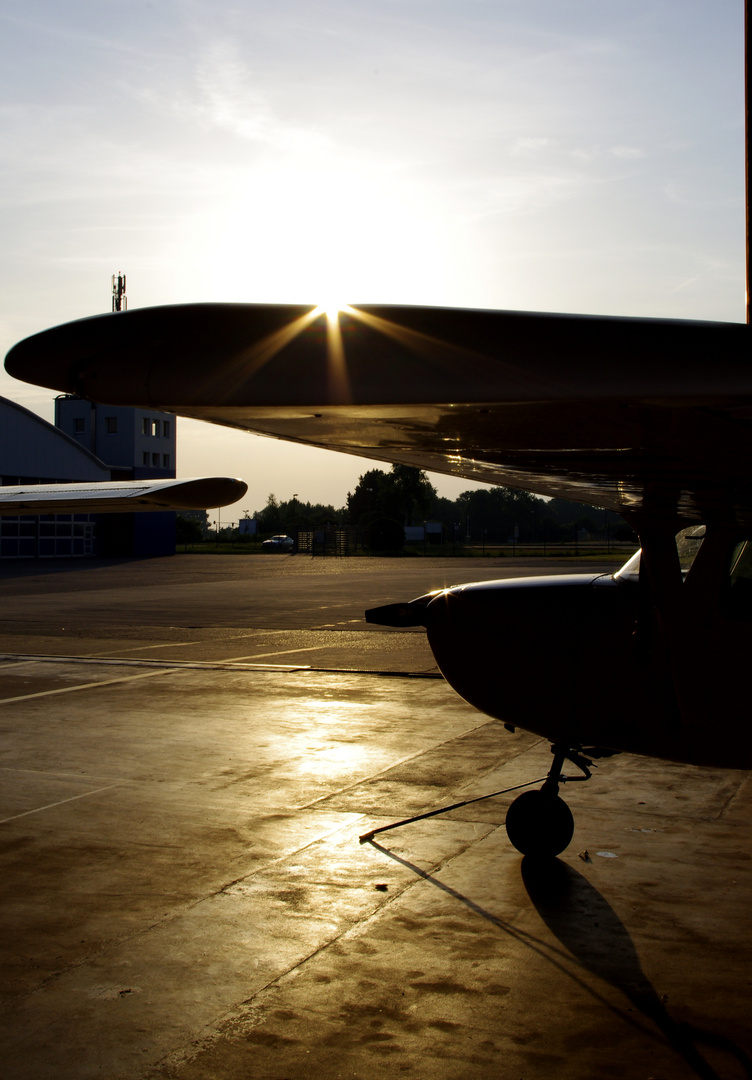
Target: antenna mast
{"points": [[119, 299]]}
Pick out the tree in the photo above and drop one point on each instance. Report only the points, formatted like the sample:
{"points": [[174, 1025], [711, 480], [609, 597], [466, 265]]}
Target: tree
{"points": [[295, 514], [188, 530], [269, 518], [385, 534], [549, 530], [403, 494], [365, 499], [497, 514], [414, 492]]}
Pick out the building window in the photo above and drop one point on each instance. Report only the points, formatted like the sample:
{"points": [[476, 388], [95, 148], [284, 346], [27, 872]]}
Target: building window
{"points": [[110, 423], [166, 428], [79, 425], [155, 427], [145, 458], [146, 426], [155, 460], [166, 461]]}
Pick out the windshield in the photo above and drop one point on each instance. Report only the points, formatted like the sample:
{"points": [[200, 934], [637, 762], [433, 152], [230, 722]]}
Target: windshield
{"points": [[688, 543]]}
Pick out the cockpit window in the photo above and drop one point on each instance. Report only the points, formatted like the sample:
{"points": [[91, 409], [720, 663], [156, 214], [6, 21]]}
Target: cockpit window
{"points": [[688, 543]]}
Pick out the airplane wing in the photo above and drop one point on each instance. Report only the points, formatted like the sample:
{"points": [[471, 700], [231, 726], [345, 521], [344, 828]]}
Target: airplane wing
{"points": [[121, 497], [630, 414]]}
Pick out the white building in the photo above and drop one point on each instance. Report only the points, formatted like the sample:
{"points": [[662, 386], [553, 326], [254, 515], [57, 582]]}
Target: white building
{"points": [[141, 441], [93, 442]]}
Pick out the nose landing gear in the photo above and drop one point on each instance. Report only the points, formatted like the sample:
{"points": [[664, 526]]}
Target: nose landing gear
{"points": [[540, 822], [537, 822]]}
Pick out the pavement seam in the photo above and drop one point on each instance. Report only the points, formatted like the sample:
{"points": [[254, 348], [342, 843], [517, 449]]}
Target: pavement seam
{"points": [[208, 665], [177, 913], [182, 1056], [735, 794], [61, 802], [389, 768], [81, 686]]}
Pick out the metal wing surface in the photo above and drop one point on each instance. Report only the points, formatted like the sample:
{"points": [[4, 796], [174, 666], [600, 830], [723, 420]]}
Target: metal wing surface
{"points": [[121, 497], [630, 414]]}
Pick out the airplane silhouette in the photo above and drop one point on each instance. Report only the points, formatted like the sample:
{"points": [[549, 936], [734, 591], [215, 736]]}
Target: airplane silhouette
{"points": [[650, 418]]}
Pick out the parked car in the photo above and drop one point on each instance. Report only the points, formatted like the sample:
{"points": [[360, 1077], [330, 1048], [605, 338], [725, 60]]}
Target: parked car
{"points": [[278, 543]]}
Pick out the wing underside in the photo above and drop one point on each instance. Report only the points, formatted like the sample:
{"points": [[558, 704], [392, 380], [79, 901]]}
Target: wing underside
{"points": [[630, 414]]}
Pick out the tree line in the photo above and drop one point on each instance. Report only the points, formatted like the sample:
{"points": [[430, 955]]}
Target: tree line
{"points": [[383, 503]]}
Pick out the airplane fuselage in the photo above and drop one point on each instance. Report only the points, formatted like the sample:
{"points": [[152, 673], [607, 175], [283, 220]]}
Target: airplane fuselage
{"points": [[588, 660]]}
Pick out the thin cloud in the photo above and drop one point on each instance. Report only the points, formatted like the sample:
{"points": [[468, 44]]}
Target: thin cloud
{"points": [[70, 32], [227, 97], [626, 152], [222, 93], [525, 146]]}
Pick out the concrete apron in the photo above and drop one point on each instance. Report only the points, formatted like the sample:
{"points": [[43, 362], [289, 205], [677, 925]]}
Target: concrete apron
{"points": [[184, 894]]}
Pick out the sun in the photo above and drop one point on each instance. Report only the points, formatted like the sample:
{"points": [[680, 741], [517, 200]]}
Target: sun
{"points": [[332, 309], [330, 232]]}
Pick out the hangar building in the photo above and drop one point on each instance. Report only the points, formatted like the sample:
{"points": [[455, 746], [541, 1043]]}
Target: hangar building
{"points": [[91, 443]]}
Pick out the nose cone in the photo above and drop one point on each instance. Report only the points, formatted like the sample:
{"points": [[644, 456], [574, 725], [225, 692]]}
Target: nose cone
{"points": [[412, 613], [510, 648]]}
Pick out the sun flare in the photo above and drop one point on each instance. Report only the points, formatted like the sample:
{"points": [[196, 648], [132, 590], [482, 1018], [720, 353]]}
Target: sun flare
{"points": [[332, 309]]}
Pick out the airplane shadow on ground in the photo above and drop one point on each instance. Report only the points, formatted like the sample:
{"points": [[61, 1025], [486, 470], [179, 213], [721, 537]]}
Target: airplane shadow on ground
{"points": [[592, 933]]}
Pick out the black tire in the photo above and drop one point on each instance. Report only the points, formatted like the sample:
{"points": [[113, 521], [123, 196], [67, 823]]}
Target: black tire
{"points": [[539, 824]]}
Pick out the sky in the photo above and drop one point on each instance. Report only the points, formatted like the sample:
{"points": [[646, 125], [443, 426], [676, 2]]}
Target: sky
{"points": [[544, 155]]}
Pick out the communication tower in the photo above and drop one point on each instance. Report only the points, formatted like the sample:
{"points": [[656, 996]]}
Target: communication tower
{"points": [[119, 299]]}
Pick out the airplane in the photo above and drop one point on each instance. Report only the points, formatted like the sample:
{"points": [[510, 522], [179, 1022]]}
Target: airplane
{"points": [[649, 418], [125, 496]]}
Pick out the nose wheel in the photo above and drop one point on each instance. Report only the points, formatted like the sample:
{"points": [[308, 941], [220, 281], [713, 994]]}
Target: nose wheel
{"points": [[540, 822]]}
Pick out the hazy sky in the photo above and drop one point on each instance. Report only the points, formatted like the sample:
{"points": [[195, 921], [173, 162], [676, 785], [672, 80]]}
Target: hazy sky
{"points": [[554, 155]]}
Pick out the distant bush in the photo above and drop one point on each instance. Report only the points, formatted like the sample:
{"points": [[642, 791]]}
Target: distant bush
{"points": [[187, 530], [385, 534]]}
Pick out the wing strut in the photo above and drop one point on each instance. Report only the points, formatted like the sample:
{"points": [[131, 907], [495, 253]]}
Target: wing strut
{"points": [[661, 576], [445, 809]]}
